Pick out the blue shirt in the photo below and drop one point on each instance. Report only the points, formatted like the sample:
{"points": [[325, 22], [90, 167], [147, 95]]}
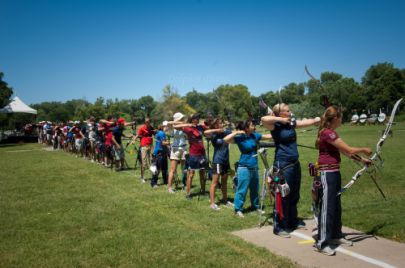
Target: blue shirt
{"points": [[221, 148], [159, 138], [285, 139], [248, 148]]}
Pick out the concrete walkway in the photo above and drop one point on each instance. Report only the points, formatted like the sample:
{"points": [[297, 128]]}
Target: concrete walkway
{"points": [[367, 251]]}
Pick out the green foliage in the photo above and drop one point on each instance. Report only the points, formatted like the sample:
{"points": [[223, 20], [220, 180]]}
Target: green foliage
{"points": [[293, 93], [171, 103], [5, 92], [235, 99], [381, 86]]}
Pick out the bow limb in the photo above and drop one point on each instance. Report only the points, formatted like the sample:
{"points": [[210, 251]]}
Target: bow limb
{"points": [[376, 156], [353, 180]]}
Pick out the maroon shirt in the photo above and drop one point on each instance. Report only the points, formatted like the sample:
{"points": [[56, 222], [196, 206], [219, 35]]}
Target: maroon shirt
{"points": [[328, 154], [195, 139]]}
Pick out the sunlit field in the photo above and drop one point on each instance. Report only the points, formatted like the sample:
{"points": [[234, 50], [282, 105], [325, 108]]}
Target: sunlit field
{"points": [[57, 210]]}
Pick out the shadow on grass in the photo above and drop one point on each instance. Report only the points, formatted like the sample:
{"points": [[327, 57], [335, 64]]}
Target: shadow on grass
{"points": [[369, 234], [10, 145]]}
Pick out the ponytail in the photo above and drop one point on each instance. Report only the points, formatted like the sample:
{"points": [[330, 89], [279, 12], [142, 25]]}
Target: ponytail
{"points": [[327, 118]]}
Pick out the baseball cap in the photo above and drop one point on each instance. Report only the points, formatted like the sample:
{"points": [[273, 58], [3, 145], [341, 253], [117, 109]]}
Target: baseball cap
{"points": [[121, 121]]}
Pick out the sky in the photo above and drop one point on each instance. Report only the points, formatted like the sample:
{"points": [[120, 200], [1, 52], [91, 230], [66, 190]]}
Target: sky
{"points": [[59, 50]]}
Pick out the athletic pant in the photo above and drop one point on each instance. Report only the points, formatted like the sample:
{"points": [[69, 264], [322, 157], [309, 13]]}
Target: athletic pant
{"points": [[329, 219], [161, 165], [292, 175], [248, 178]]}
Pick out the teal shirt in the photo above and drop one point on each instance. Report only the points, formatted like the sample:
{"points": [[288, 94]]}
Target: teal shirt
{"points": [[248, 147]]}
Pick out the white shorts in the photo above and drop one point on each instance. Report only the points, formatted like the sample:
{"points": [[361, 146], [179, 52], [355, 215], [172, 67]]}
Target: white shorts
{"points": [[178, 153], [79, 144], [119, 153]]}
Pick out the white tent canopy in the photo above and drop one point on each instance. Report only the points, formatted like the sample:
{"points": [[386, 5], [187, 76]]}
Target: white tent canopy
{"points": [[17, 106]]}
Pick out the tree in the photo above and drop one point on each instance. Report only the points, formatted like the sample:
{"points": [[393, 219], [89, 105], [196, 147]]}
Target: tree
{"points": [[383, 84], [98, 109], [293, 93], [146, 105], [235, 99], [5, 92], [171, 103]]}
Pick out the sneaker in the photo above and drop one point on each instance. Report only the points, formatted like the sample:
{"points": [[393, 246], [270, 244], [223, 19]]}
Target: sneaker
{"points": [[283, 233], [143, 180], [189, 197], [259, 211], [155, 186], [341, 241], [301, 225], [229, 204], [327, 250], [239, 214], [170, 190], [215, 207]]}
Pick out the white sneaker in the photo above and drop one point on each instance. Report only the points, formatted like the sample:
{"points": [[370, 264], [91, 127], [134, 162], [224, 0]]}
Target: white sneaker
{"points": [[143, 180], [215, 207], [239, 214], [170, 190], [229, 204], [341, 241], [327, 250], [259, 211], [283, 233]]}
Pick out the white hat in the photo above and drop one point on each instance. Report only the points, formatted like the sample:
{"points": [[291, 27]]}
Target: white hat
{"points": [[178, 116], [164, 123]]}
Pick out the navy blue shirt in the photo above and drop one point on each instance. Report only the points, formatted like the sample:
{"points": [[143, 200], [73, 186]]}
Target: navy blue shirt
{"points": [[221, 148], [117, 133], [285, 139], [248, 148]]}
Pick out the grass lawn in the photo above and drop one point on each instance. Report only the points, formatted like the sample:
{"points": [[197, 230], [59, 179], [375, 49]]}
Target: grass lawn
{"points": [[60, 211]]}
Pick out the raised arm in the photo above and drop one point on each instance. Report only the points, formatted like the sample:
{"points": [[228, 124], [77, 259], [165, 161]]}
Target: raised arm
{"points": [[267, 136], [308, 122], [230, 137], [208, 132], [181, 126], [268, 121]]}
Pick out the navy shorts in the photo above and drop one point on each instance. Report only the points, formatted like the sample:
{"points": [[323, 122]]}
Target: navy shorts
{"points": [[196, 162], [220, 168]]}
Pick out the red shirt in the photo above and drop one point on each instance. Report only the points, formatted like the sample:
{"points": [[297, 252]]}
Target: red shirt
{"points": [[146, 135], [76, 131], [195, 139], [108, 134], [328, 154]]}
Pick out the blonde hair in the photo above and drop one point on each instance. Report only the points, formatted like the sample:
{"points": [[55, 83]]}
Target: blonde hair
{"points": [[328, 116], [277, 108]]}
